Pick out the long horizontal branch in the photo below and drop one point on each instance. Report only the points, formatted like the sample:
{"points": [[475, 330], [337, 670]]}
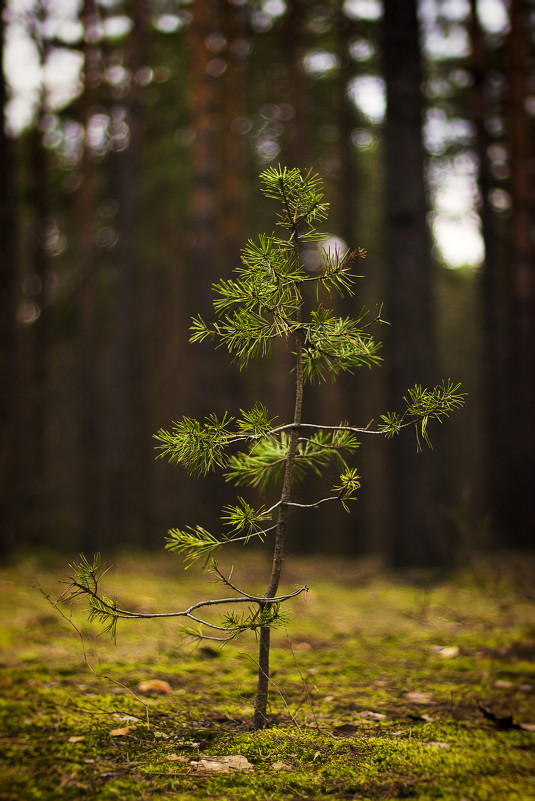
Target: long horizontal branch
{"points": [[119, 613], [319, 427]]}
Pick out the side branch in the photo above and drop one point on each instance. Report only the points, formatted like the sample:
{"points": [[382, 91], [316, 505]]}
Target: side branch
{"points": [[318, 503], [117, 612]]}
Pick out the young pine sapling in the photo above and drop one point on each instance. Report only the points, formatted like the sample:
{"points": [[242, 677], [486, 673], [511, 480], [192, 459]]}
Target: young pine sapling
{"points": [[267, 299]]}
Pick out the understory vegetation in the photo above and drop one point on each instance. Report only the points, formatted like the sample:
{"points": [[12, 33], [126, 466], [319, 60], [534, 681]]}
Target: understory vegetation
{"points": [[386, 686]]}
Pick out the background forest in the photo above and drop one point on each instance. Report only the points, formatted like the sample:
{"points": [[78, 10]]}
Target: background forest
{"points": [[134, 132]]}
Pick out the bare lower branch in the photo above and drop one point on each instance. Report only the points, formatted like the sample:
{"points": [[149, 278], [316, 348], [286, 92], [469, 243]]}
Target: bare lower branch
{"points": [[124, 614]]}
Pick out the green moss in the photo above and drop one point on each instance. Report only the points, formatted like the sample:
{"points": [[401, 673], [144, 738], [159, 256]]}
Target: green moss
{"points": [[345, 724]]}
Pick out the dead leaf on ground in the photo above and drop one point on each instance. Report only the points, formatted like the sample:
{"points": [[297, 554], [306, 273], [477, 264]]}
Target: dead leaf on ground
{"points": [[372, 715], [176, 758], [222, 764], [438, 745], [281, 766], [446, 651], [121, 732], [419, 697], [154, 686], [76, 739]]}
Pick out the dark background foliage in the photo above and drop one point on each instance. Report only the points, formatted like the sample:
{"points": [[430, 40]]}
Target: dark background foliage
{"points": [[127, 196]]}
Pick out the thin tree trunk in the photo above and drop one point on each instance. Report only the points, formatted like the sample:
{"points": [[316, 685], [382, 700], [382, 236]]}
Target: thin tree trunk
{"points": [[416, 538], [262, 691]]}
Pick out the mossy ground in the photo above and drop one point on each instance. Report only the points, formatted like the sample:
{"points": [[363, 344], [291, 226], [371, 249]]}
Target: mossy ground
{"points": [[364, 704]]}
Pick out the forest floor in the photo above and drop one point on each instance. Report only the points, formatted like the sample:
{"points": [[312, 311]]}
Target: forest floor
{"points": [[384, 686]]}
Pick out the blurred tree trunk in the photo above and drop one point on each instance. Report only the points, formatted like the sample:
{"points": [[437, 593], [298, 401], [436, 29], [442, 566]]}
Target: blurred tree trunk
{"points": [[494, 353], [10, 477], [233, 174], [295, 148], [204, 161], [207, 386], [234, 168], [36, 467], [347, 182], [90, 409], [129, 439], [204, 256], [521, 462], [332, 399], [416, 536], [294, 153]]}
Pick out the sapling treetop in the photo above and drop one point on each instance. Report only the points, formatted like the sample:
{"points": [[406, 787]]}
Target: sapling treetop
{"points": [[267, 299]]}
